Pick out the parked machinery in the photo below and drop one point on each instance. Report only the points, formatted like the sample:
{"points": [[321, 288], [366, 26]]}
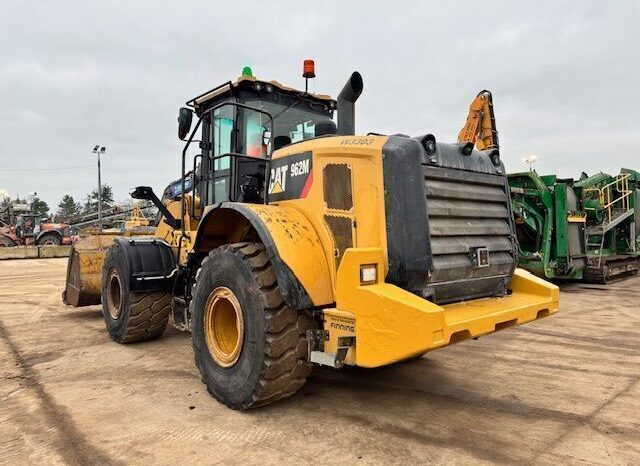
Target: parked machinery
{"points": [[295, 243], [585, 229], [480, 126], [29, 231]]}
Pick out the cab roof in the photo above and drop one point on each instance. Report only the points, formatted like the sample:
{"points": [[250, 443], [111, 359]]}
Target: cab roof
{"points": [[249, 83]]}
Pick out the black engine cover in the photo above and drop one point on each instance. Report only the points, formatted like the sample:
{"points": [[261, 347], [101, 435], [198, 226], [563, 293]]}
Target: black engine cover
{"points": [[450, 232]]}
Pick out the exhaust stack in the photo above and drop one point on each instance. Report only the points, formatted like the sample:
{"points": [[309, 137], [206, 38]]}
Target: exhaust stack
{"points": [[346, 104]]}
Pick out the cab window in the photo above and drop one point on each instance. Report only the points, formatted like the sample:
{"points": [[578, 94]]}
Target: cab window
{"points": [[302, 131], [255, 130], [222, 129], [293, 119]]}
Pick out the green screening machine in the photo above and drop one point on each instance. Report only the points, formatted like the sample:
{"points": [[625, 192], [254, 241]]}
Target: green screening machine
{"points": [[582, 230]]}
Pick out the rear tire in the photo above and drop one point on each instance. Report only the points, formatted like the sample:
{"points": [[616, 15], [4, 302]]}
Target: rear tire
{"points": [[130, 316], [49, 239], [6, 242], [250, 347]]}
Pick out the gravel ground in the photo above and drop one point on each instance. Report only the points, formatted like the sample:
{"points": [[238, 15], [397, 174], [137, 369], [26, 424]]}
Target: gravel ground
{"points": [[561, 390]]}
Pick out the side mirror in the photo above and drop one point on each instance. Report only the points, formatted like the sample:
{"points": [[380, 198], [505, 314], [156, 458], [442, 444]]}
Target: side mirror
{"points": [[184, 122]]}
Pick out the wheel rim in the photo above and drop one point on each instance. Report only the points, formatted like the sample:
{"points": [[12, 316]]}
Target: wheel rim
{"points": [[114, 294], [223, 326]]}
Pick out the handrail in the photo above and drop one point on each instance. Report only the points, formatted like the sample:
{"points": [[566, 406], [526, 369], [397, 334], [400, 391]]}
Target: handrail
{"points": [[621, 184], [618, 179], [183, 233]]}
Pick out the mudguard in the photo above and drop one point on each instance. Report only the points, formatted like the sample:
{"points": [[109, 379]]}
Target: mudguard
{"points": [[292, 244], [50, 232], [151, 264]]}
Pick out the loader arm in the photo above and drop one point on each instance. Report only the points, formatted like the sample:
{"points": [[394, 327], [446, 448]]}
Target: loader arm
{"points": [[147, 194], [480, 127]]}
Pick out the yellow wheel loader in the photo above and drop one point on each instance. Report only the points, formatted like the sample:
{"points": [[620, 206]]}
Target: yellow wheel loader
{"points": [[291, 242]]}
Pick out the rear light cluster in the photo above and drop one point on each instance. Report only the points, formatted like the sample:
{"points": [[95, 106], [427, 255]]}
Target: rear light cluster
{"points": [[368, 274]]}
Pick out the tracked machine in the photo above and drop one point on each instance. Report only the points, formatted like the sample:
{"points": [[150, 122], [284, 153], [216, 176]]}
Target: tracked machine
{"points": [[586, 229], [583, 229], [293, 242]]}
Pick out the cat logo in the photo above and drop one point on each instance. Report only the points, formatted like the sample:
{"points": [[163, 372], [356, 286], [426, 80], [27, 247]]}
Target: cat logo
{"points": [[290, 177], [278, 179]]}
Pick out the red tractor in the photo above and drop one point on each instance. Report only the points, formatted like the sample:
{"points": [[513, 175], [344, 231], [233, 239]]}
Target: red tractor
{"points": [[28, 232]]}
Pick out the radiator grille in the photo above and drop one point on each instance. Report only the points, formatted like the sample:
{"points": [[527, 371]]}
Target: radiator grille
{"points": [[341, 230], [467, 211], [337, 186]]}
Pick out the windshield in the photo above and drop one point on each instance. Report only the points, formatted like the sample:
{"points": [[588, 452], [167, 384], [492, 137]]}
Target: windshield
{"points": [[294, 119]]}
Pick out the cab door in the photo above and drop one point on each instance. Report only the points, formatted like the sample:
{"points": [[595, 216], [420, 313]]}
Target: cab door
{"points": [[237, 143]]}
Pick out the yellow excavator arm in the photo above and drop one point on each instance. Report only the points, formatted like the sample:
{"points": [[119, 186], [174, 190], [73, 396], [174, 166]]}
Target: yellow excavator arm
{"points": [[480, 127]]}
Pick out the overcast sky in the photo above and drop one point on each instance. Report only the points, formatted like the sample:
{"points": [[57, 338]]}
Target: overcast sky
{"points": [[565, 78]]}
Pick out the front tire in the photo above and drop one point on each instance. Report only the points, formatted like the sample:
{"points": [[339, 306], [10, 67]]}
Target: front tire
{"points": [[249, 346], [49, 239], [130, 316]]}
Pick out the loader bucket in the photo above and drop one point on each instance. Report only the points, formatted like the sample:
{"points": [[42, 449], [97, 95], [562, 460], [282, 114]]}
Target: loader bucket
{"points": [[84, 270]]}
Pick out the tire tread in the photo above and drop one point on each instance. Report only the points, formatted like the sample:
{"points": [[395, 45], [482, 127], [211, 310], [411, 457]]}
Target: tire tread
{"points": [[148, 316], [286, 365]]}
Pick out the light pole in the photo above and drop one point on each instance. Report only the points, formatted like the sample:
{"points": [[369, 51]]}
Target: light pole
{"points": [[99, 150], [530, 160]]}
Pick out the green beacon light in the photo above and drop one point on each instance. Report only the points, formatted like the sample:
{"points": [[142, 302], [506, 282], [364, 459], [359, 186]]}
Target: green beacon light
{"points": [[246, 71]]}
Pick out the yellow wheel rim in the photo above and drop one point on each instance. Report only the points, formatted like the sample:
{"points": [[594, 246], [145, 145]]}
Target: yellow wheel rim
{"points": [[114, 294], [223, 326]]}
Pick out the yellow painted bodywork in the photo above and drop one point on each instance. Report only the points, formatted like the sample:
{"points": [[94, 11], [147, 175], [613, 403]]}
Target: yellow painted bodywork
{"points": [[297, 227], [392, 324], [299, 247], [363, 155], [174, 236]]}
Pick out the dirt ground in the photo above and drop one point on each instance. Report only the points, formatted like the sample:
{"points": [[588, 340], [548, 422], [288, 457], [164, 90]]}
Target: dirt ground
{"points": [[562, 390]]}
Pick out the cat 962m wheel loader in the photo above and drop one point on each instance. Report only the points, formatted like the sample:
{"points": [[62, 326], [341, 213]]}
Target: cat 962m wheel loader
{"points": [[291, 242]]}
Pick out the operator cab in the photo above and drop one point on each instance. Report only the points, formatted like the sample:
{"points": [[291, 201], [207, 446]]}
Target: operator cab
{"points": [[27, 226], [242, 123]]}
